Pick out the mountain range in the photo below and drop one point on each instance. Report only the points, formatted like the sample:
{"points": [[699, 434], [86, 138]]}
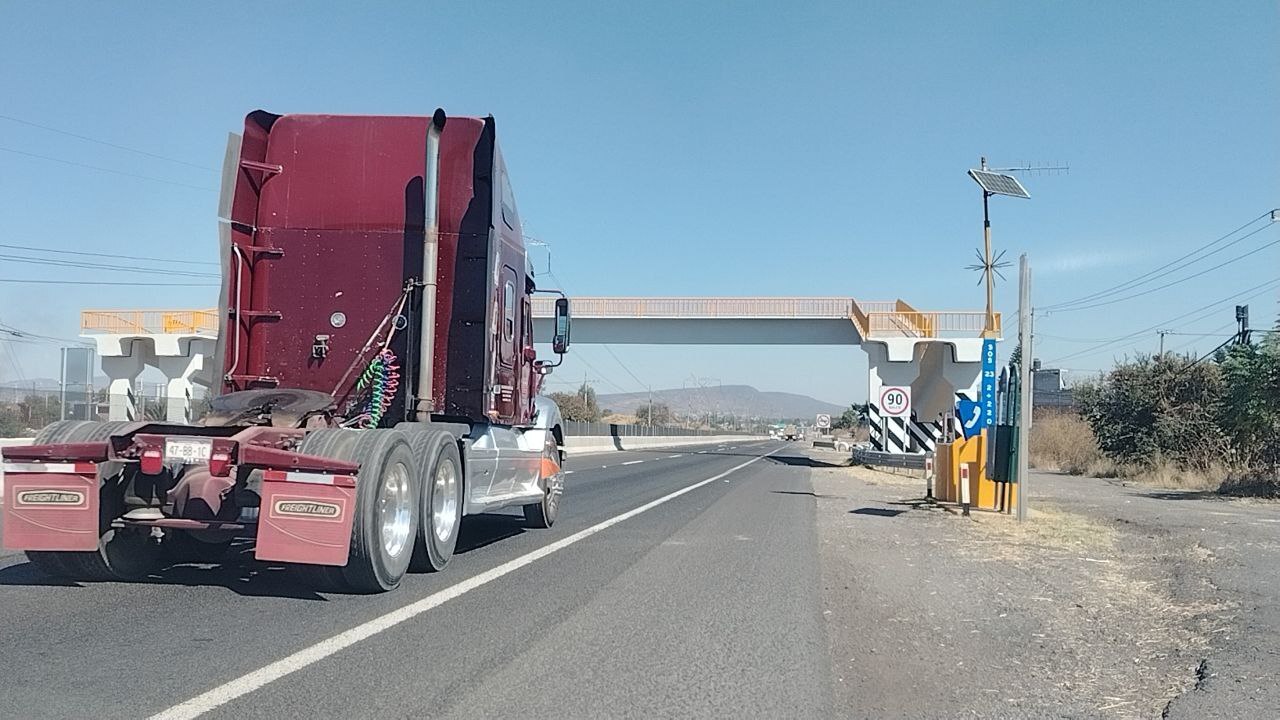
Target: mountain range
{"points": [[739, 400]]}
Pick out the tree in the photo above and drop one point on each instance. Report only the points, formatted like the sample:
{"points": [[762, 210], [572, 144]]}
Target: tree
{"points": [[580, 406], [855, 416], [1156, 408], [40, 410], [660, 414], [1249, 413], [11, 424]]}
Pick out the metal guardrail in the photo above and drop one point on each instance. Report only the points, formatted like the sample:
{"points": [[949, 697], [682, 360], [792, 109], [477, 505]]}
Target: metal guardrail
{"points": [[866, 456], [151, 322]]}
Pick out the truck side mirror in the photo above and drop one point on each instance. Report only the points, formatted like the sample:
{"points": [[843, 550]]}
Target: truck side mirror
{"points": [[560, 343]]}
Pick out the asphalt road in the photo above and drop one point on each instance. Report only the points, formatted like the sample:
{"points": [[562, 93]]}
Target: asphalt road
{"points": [[705, 604]]}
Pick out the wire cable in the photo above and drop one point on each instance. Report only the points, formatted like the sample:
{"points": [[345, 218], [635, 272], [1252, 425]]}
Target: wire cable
{"points": [[86, 138], [1170, 284], [1264, 288], [104, 282], [107, 170], [107, 255], [105, 266], [1141, 279]]}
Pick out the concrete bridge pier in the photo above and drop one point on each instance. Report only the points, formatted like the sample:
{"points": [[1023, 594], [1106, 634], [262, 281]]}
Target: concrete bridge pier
{"points": [[937, 373]]}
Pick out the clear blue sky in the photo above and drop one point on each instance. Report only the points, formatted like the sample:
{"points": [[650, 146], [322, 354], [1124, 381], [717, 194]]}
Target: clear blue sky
{"points": [[690, 148]]}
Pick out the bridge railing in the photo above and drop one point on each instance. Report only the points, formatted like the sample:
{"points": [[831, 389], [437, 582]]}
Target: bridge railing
{"points": [[151, 322], [940, 324], [700, 307]]}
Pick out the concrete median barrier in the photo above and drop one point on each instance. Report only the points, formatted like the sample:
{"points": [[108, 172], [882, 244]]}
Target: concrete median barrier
{"points": [[585, 444]]}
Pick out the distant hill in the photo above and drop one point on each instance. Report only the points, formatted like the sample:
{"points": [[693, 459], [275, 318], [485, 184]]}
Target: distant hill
{"points": [[740, 400]]}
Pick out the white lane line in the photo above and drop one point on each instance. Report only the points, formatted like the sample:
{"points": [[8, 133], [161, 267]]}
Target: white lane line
{"points": [[671, 457], [702, 452], [568, 472], [633, 462], [245, 684]]}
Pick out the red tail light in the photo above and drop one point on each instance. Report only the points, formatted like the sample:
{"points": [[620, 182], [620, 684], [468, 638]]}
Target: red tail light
{"points": [[152, 462], [220, 464]]}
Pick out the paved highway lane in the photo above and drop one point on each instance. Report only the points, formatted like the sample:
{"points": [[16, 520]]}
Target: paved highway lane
{"points": [[706, 604]]}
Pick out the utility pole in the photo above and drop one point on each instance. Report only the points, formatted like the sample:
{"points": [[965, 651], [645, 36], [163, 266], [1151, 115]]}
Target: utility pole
{"points": [[650, 405], [1024, 375], [1162, 333]]}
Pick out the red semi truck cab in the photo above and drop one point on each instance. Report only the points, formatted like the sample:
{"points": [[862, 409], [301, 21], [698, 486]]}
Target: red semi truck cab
{"points": [[377, 382]]}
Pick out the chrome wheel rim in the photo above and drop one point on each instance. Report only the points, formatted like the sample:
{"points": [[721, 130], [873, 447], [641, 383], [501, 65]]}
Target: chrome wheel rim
{"points": [[444, 500], [555, 483], [396, 509]]}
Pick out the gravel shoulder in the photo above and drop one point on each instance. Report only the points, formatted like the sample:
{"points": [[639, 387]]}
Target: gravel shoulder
{"points": [[1113, 602]]}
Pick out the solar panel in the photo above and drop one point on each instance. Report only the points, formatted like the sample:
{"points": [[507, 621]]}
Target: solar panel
{"points": [[999, 184]]}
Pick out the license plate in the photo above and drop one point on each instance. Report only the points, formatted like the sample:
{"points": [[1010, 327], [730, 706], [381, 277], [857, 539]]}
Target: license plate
{"points": [[187, 451]]}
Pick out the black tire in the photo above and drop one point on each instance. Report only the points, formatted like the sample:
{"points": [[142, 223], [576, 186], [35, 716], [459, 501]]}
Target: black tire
{"points": [[331, 443], [437, 451], [543, 514], [372, 566], [121, 554]]}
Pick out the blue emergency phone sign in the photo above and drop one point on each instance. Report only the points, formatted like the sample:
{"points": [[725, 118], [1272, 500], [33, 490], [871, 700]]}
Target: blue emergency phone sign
{"points": [[987, 398]]}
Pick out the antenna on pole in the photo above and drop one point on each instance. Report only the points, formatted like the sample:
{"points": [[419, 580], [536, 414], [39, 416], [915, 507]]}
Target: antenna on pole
{"points": [[998, 181]]}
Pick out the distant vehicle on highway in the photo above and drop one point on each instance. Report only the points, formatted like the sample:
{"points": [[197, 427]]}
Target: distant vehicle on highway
{"points": [[790, 432]]}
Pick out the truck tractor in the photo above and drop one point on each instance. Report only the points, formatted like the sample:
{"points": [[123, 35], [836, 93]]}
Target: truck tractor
{"points": [[791, 433], [376, 377]]}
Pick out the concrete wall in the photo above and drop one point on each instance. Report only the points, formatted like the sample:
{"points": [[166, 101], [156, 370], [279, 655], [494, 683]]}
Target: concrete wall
{"points": [[582, 445]]}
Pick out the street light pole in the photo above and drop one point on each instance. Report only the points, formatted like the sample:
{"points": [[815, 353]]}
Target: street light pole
{"points": [[986, 243]]}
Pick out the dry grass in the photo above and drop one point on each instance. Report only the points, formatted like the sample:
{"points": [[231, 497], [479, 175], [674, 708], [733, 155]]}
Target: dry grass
{"points": [[1168, 475], [1065, 442], [1100, 593]]}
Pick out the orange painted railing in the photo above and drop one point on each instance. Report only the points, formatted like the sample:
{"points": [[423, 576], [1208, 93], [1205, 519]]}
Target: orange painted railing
{"points": [[929, 324], [152, 322]]}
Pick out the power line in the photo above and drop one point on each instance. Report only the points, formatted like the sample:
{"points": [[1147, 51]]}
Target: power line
{"points": [[107, 255], [104, 266], [1129, 284], [19, 332], [1175, 282], [1264, 287], [579, 355], [1216, 333], [104, 282], [107, 170], [599, 374], [624, 366], [86, 138]]}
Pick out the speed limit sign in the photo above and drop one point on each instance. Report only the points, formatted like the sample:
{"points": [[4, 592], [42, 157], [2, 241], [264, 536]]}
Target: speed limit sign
{"points": [[895, 401]]}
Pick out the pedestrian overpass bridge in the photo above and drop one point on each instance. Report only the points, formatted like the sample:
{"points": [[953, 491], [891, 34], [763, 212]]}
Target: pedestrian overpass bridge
{"points": [[936, 354], [754, 321]]}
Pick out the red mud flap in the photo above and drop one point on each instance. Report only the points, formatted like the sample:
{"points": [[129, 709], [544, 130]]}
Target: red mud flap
{"points": [[305, 517], [50, 506]]}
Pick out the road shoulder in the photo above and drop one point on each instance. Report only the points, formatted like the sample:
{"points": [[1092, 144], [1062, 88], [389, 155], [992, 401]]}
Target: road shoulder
{"points": [[934, 615]]}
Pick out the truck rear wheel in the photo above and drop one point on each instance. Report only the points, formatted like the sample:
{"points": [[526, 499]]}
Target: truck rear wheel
{"points": [[543, 514], [386, 511], [441, 499], [121, 554]]}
